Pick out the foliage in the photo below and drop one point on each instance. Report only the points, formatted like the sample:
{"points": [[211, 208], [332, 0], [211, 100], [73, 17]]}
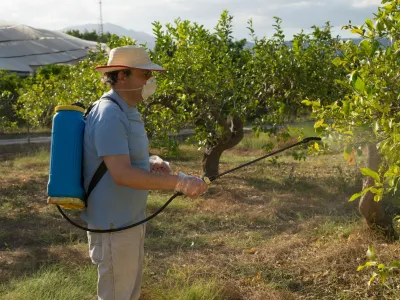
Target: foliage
{"points": [[213, 83], [382, 272], [203, 85], [281, 75], [377, 190], [212, 79], [369, 110], [9, 85], [90, 35], [111, 39], [64, 84], [50, 87]]}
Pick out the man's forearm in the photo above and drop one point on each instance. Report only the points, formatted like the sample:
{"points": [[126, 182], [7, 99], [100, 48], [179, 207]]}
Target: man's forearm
{"points": [[142, 180]]}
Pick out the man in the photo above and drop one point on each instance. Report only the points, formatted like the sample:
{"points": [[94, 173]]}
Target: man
{"points": [[115, 133]]}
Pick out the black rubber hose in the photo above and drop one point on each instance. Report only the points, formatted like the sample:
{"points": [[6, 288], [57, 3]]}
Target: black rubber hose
{"points": [[208, 180], [121, 228]]}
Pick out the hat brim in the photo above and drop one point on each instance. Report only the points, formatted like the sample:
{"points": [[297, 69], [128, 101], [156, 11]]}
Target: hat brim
{"points": [[111, 68]]}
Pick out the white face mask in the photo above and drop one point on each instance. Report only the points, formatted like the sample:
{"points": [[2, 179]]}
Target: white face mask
{"points": [[147, 90]]}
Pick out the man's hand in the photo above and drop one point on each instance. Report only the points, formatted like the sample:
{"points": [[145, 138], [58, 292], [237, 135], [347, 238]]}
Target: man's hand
{"points": [[159, 166], [191, 186]]}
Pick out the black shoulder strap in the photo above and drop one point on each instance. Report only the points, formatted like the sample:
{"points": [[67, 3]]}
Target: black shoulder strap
{"points": [[94, 103], [102, 169], [113, 100]]}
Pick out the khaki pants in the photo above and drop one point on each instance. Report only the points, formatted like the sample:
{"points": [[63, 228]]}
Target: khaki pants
{"points": [[119, 259]]}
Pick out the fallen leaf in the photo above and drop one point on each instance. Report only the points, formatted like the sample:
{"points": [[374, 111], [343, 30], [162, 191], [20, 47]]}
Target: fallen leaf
{"points": [[251, 251]]}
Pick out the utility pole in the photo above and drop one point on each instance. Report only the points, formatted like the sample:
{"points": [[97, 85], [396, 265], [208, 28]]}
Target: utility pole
{"points": [[101, 21]]}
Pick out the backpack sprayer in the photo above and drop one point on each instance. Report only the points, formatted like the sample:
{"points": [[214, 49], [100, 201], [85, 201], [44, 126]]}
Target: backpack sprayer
{"points": [[65, 188]]}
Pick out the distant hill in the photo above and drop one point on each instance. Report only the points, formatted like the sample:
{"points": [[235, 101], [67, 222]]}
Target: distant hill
{"points": [[143, 38], [140, 37]]}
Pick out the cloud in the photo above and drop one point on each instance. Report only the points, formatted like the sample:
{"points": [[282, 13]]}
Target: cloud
{"points": [[366, 3], [139, 15], [297, 15]]}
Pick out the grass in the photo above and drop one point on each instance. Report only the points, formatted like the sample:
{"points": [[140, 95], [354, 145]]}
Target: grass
{"points": [[252, 142], [263, 232], [62, 282]]}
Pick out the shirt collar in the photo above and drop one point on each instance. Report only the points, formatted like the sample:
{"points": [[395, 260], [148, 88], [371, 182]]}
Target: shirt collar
{"points": [[125, 106]]}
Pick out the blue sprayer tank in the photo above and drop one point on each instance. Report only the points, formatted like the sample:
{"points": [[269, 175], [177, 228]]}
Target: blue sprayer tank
{"points": [[65, 186]]}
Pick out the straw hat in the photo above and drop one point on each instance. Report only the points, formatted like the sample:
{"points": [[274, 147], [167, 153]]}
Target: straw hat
{"points": [[129, 57]]}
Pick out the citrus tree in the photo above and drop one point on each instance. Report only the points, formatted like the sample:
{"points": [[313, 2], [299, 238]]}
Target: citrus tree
{"points": [[282, 74], [204, 86], [369, 113], [214, 83]]}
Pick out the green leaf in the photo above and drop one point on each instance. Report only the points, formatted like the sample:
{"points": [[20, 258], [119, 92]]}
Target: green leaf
{"points": [[346, 107], [355, 196], [296, 46], [337, 61], [377, 198], [375, 46], [375, 190], [380, 26], [357, 31], [348, 132], [319, 123], [370, 173], [353, 77], [359, 85], [383, 277], [388, 7], [365, 45], [361, 267], [376, 126], [306, 102], [369, 23], [391, 182], [372, 279], [371, 254]]}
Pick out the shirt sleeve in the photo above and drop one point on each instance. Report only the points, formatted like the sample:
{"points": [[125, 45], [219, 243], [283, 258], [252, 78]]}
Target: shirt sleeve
{"points": [[110, 133]]}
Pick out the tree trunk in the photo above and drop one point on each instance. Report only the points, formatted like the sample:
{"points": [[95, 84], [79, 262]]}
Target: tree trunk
{"points": [[374, 212], [211, 159], [213, 152]]}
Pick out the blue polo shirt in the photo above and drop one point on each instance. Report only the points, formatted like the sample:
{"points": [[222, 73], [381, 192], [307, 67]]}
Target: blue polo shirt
{"points": [[110, 131]]}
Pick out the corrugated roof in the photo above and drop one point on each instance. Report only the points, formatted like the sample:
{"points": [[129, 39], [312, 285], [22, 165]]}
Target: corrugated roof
{"points": [[23, 48]]}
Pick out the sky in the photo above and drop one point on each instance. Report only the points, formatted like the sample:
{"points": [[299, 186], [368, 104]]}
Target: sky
{"points": [[138, 15]]}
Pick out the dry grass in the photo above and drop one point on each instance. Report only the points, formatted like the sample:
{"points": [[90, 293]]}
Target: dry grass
{"points": [[264, 232]]}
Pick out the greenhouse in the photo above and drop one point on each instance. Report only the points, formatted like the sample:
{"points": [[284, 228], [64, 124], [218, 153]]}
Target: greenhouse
{"points": [[24, 48]]}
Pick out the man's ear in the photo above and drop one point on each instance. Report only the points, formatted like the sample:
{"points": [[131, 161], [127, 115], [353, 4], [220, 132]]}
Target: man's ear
{"points": [[121, 76]]}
